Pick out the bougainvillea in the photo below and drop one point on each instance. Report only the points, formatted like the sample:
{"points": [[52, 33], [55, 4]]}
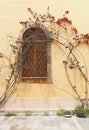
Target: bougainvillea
{"points": [[69, 43], [64, 23]]}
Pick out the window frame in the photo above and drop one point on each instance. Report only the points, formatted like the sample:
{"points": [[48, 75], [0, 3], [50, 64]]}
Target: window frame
{"points": [[48, 64]]}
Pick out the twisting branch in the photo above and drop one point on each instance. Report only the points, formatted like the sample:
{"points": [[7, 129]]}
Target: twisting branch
{"points": [[42, 21]]}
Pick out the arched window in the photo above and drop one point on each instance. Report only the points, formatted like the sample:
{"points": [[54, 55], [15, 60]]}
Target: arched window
{"points": [[34, 55]]}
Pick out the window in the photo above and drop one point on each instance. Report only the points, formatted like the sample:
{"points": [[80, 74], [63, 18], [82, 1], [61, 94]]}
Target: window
{"points": [[35, 55]]}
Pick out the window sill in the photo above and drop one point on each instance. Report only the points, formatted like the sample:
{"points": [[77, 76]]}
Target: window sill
{"points": [[36, 80]]}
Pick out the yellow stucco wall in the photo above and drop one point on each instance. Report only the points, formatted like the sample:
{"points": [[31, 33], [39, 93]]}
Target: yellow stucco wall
{"points": [[59, 87]]}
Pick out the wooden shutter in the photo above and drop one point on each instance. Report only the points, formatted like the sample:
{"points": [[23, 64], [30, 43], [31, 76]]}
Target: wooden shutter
{"points": [[34, 63]]}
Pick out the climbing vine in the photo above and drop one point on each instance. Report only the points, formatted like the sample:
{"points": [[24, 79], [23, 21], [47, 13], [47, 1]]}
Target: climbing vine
{"points": [[69, 40]]}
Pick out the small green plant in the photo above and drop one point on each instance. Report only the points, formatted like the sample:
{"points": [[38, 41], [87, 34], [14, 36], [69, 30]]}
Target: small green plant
{"points": [[73, 112], [77, 108], [28, 113], [46, 113], [8, 114], [79, 111], [61, 112], [86, 113]]}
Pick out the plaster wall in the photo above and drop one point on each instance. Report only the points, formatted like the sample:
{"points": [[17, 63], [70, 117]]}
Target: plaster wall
{"points": [[59, 87]]}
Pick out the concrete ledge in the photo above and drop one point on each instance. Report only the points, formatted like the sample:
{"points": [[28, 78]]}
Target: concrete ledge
{"points": [[21, 104]]}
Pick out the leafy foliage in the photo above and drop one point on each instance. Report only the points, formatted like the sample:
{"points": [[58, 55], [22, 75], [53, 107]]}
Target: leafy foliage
{"points": [[61, 112], [82, 109], [8, 114], [46, 113], [28, 113]]}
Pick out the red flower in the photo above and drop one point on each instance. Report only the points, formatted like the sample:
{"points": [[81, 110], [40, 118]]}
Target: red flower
{"points": [[86, 36], [77, 38], [71, 67], [52, 17], [67, 12], [74, 29], [58, 21], [65, 19], [44, 39], [62, 20]]}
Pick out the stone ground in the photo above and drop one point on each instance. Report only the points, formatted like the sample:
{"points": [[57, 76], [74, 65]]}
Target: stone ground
{"points": [[39, 122]]}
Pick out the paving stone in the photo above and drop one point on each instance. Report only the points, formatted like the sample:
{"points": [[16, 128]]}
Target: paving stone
{"points": [[84, 122], [42, 123], [14, 127], [65, 125], [50, 128]]}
